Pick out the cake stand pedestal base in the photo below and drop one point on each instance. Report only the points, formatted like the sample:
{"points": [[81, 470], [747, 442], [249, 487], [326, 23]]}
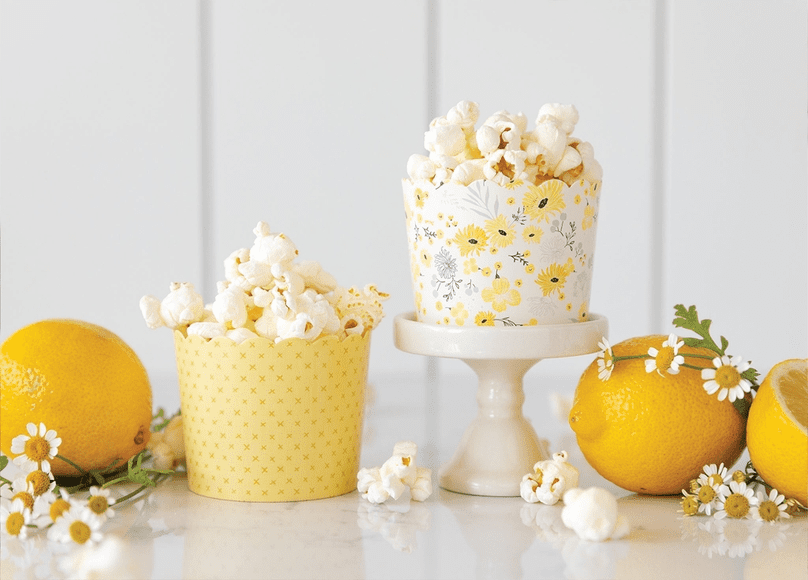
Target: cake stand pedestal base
{"points": [[500, 445]]}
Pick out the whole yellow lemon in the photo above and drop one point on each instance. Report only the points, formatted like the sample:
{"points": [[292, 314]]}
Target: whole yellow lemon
{"points": [[777, 431], [652, 433], [81, 381]]}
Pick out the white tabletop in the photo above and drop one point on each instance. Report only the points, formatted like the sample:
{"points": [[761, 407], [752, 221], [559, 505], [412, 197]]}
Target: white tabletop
{"points": [[177, 534]]}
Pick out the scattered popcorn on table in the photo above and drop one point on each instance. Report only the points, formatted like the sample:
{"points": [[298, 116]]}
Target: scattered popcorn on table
{"points": [[592, 514], [265, 293], [398, 473], [502, 149], [549, 480]]}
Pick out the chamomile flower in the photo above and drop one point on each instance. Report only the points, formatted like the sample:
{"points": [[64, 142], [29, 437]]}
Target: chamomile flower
{"points": [[714, 476], [726, 378], [53, 507], [667, 358], [709, 499], [41, 482], [37, 449], [770, 507], [14, 518], [605, 360], [689, 503], [78, 525], [736, 501], [19, 490], [100, 501]]}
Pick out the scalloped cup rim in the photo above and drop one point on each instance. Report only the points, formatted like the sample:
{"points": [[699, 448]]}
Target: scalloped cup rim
{"points": [[257, 340]]}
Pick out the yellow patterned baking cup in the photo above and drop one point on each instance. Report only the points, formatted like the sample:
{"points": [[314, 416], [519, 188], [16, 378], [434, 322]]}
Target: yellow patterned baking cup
{"points": [[502, 255], [269, 422]]}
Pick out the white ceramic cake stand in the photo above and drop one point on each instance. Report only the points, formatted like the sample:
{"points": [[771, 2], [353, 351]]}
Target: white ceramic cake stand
{"points": [[500, 445]]}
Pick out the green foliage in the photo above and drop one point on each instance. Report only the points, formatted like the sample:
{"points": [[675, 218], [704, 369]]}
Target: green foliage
{"points": [[688, 318]]}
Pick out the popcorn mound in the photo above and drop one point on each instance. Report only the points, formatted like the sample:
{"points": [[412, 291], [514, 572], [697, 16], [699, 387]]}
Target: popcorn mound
{"points": [[267, 294], [501, 220]]}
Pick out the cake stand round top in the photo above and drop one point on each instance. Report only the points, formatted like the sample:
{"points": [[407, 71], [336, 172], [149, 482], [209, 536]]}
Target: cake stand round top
{"points": [[523, 342]]}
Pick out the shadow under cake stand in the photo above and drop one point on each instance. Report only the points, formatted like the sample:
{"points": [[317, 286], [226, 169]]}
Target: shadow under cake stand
{"points": [[500, 445]]}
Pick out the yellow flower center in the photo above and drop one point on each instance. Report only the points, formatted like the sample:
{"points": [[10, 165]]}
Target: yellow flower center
{"points": [[27, 499], [14, 523], [736, 506], [40, 481], [727, 376], [37, 449], [706, 494], [768, 511], [738, 476], [690, 505], [98, 504], [715, 479], [665, 357], [80, 532], [58, 507]]}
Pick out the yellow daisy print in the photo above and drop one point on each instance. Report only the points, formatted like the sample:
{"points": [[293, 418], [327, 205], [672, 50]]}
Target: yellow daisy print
{"points": [[501, 295], [486, 271], [438, 305], [471, 240], [577, 198], [470, 266], [420, 197], [583, 312], [459, 313], [500, 234], [426, 258], [553, 278], [544, 201], [514, 184], [589, 217], [484, 319], [532, 235]]}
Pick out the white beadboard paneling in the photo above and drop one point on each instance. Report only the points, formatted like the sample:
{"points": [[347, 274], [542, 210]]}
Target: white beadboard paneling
{"points": [[598, 56], [315, 112], [98, 163], [736, 203]]}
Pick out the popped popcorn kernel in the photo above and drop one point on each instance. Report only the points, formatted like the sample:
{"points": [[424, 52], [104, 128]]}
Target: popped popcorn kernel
{"points": [[395, 476], [549, 481], [592, 514]]}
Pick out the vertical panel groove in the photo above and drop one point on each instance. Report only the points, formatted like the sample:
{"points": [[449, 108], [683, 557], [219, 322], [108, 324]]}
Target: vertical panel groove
{"points": [[206, 148], [659, 152]]}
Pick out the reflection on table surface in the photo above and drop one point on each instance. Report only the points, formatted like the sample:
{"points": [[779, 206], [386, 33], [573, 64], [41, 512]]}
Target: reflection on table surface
{"points": [[173, 533]]}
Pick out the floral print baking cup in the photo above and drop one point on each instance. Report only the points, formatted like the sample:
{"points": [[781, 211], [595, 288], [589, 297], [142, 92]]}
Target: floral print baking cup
{"points": [[502, 255]]}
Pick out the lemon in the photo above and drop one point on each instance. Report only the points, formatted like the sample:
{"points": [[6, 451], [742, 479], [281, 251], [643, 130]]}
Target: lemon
{"points": [[777, 431], [80, 380], [652, 433]]}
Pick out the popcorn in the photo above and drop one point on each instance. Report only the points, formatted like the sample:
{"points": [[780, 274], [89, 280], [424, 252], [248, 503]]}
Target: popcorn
{"points": [[377, 484], [207, 329], [265, 293], [549, 481], [238, 335], [444, 137], [503, 150], [592, 514], [230, 306], [181, 307]]}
